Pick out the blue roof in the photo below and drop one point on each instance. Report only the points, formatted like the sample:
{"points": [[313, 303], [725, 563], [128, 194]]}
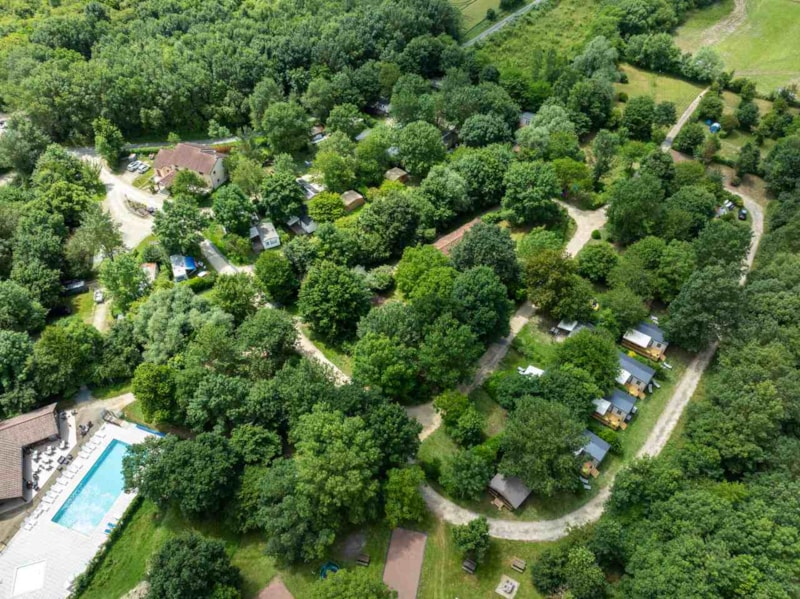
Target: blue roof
{"points": [[595, 446], [636, 368], [624, 402], [651, 330]]}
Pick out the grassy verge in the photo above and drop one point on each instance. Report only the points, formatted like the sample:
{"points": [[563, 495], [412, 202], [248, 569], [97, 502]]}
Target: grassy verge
{"points": [[82, 306], [109, 391]]}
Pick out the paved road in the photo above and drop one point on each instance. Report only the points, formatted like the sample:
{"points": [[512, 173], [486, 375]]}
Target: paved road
{"points": [[500, 24], [134, 228], [687, 114]]}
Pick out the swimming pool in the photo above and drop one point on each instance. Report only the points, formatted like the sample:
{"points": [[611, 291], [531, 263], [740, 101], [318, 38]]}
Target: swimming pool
{"points": [[96, 493]]}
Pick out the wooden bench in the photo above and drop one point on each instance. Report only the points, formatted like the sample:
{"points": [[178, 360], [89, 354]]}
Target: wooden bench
{"points": [[469, 566], [519, 564], [363, 560]]}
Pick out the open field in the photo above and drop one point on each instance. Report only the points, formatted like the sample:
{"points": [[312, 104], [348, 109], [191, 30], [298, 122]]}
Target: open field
{"points": [[691, 34], [125, 564], [764, 46], [662, 88], [562, 28], [474, 11]]}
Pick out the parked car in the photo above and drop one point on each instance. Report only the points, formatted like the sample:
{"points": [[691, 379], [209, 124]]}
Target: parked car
{"points": [[74, 287], [99, 296], [143, 168], [134, 165], [742, 213]]}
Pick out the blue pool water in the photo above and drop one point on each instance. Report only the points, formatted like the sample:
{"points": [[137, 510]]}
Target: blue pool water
{"points": [[96, 493]]}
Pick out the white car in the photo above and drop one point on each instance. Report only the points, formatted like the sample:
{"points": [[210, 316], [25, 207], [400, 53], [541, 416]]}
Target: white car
{"points": [[143, 168], [134, 165], [99, 296]]}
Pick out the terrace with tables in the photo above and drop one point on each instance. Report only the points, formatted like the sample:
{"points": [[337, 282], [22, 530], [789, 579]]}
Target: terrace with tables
{"points": [[74, 518]]}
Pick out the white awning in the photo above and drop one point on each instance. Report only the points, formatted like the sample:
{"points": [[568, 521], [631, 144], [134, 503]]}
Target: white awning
{"points": [[531, 371], [567, 325], [637, 338], [601, 406]]}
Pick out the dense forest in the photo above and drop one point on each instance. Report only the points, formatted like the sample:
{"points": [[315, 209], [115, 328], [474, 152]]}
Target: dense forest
{"points": [[169, 66]]}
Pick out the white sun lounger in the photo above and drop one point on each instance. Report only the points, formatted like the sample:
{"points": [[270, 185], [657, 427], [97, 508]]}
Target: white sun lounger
{"points": [[48, 499]]}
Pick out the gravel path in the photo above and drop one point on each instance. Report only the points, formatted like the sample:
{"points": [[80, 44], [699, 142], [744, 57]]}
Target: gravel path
{"points": [[687, 114]]}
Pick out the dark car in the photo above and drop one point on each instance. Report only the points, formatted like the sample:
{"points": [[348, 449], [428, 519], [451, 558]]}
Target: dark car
{"points": [[742, 213]]}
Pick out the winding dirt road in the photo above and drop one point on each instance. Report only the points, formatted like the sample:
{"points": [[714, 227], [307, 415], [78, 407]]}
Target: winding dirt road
{"points": [[551, 530]]}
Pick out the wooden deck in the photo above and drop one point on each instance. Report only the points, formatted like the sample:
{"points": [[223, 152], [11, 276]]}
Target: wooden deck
{"points": [[651, 353], [612, 421]]}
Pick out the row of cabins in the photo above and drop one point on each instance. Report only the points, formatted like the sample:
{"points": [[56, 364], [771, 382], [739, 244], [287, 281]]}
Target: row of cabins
{"points": [[614, 410]]}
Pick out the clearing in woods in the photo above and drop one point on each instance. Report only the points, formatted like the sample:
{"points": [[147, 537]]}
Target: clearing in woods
{"points": [[759, 39], [562, 27]]}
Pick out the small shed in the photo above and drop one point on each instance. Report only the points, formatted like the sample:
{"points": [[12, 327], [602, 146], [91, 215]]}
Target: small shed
{"points": [[264, 236], [352, 200], [633, 375], [150, 270], [615, 410], [525, 118], [396, 174], [594, 451], [509, 489], [647, 340]]}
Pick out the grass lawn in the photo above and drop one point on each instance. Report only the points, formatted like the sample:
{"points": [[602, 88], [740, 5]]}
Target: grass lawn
{"points": [[660, 87], [125, 564], [337, 355], [533, 345], [764, 47], [443, 578], [689, 36], [82, 306], [474, 11], [563, 27], [109, 391]]}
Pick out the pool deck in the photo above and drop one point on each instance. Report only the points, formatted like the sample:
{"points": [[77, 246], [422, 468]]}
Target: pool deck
{"points": [[65, 552]]}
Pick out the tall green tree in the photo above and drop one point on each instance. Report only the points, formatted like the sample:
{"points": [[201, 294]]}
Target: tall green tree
{"points": [[108, 140], [124, 279], [178, 225], [530, 190], [540, 445], [332, 299]]}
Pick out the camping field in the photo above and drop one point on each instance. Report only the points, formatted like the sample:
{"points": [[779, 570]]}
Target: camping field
{"points": [[661, 88], [759, 39]]}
